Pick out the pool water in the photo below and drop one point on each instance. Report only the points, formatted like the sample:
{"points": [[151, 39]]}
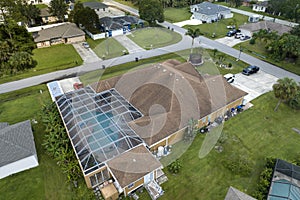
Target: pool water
{"points": [[284, 188]]}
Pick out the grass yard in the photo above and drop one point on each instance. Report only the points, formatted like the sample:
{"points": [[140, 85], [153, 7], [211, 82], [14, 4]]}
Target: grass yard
{"points": [[106, 48], [257, 133], [49, 59], [46, 181], [127, 3], [177, 14], [40, 6], [219, 28], [258, 50], [149, 38]]}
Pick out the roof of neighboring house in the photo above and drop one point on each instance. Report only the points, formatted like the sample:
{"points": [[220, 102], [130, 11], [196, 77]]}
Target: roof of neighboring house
{"points": [[16, 142], [180, 92], [261, 3], [133, 165], [208, 8], [267, 25], [115, 23], [45, 12], [95, 5], [3, 125], [68, 30], [235, 194]]}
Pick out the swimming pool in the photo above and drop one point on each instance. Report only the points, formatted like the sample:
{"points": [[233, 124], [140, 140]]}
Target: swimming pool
{"points": [[284, 189]]}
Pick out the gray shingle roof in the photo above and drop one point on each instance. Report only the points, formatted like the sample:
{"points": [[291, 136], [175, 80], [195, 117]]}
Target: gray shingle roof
{"points": [[3, 125], [63, 31], [16, 142], [235, 194], [208, 8], [95, 5], [267, 25]]}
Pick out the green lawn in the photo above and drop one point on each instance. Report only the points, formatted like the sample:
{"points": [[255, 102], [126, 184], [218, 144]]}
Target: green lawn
{"points": [[219, 28], [47, 180], [40, 6], [49, 59], [177, 14], [157, 37], [258, 50], [106, 48], [257, 133], [127, 3]]}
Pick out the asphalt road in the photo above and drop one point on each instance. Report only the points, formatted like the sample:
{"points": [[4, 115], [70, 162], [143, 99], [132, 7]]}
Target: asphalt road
{"points": [[185, 43]]}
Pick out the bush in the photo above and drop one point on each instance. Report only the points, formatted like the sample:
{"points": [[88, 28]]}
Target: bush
{"points": [[252, 41], [174, 167], [238, 163]]}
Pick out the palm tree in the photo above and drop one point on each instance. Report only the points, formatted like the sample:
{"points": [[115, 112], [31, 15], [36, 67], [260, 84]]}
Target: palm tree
{"points": [[193, 33], [284, 90]]}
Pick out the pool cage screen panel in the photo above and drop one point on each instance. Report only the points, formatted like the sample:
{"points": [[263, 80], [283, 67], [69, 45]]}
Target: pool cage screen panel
{"points": [[97, 124], [285, 182]]}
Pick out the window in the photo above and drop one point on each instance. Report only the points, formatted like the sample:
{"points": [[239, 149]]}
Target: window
{"points": [[130, 185]]}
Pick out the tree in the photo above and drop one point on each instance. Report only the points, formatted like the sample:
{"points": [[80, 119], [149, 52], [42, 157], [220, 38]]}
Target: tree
{"points": [[285, 90], [20, 61], [58, 8], [86, 17], [235, 3], [295, 31], [151, 10], [30, 12], [193, 33]]}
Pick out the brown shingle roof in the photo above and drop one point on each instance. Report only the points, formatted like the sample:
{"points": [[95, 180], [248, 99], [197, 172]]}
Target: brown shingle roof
{"points": [[267, 25], [133, 165], [169, 95], [63, 31], [235, 194]]}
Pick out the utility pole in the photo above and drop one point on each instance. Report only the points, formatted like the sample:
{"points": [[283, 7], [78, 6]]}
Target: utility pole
{"points": [[241, 49]]}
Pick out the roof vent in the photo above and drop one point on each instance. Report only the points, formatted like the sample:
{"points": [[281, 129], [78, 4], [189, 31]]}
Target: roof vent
{"points": [[164, 70], [171, 74]]}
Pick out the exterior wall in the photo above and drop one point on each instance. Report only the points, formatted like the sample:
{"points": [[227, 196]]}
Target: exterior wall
{"points": [[163, 143], [176, 137], [246, 32], [75, 39], [18, 166], [137, 184], [43, 44], [210, 18], [87, 177], [259, 8], [49, 19]]}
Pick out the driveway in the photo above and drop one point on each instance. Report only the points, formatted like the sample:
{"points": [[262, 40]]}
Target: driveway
{"points": [[128, 44], [255, 84], [87, 54], [230, 41]]}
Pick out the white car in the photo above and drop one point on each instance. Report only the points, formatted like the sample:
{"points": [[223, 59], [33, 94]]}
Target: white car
{"points": [[229, 77], [238, 35]]}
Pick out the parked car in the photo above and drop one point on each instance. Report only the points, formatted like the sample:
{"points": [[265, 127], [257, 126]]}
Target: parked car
{"points": [[233, 32], [86, 45], [238, 35], [250, 70], [229, 77], [244, 37]]}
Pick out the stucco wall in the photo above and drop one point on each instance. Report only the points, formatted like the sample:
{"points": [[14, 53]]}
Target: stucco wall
{"points": [[76, 39]]}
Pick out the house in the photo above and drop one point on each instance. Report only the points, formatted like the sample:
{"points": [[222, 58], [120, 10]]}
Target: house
{"points": [[285, 183], [47, 17], [208, 12], [235, 194], [260, 6], [47, 2], [254, 18], [249, 29], [95, 5], [66, 33], [116, 125], [17, 146], [119, 23]]}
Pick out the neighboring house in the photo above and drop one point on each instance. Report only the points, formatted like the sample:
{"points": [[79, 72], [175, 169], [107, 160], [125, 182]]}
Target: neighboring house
{"points": [[249, 29], [95, 5], [17, 146], [260, 6], [66, 33], [119, 23], [47, 17], [39, 1], [115, 124], [209, 12], [285, 183], [254, 18], [235, 194]]}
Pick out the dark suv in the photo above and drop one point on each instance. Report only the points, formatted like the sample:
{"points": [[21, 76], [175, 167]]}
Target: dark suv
{"points": [[250, 70]]}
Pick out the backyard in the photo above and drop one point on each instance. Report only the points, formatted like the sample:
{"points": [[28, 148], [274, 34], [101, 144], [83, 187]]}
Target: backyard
{"points": [[49, 59], [149, 38], [46, 181], [106, 48]]}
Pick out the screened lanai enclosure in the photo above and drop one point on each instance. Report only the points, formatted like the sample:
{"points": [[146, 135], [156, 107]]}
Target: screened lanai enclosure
{"points": [[97, 125], [286, 182]]}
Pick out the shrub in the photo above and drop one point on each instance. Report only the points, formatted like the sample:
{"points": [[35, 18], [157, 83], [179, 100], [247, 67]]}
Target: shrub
{"points": [[252, 41], [174, 167]]}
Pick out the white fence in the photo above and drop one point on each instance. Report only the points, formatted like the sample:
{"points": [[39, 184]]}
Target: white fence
{"points": [[102, 35]]}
